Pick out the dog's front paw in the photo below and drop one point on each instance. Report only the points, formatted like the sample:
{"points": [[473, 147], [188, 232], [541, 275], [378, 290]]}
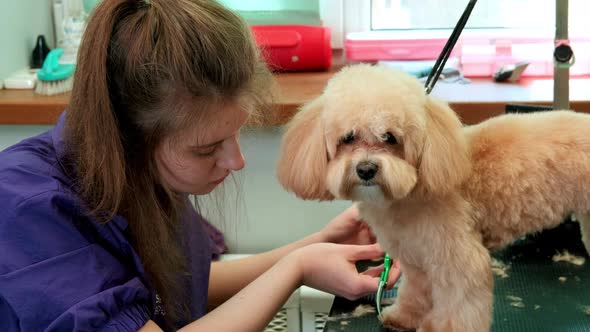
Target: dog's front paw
{"points": [[400, 318]]}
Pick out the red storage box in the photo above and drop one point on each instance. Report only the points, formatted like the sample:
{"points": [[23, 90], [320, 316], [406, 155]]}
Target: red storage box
{"points": [[294, 47]]}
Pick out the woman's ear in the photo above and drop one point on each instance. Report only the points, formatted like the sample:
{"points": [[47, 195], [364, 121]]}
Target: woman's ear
{"points": [[303, 163], [445, 161]]}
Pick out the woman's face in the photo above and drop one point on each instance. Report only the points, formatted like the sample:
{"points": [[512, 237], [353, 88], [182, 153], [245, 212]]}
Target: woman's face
{"points": [[199, 159]]}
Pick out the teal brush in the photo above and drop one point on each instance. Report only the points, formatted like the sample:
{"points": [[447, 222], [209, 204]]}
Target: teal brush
{"points": [[54, 78]]}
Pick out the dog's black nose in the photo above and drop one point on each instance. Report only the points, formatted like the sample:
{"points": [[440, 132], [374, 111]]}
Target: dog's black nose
{"points": [[366, 170]]}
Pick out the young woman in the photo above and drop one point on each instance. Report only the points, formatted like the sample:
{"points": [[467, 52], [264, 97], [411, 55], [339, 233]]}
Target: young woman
{"points": [[97, 231]]}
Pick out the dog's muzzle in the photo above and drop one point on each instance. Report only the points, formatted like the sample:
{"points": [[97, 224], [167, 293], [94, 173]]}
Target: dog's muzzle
{"points": [[366, 170]]}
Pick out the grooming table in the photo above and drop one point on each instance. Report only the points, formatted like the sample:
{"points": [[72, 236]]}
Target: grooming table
{"points": [[554, 295]]}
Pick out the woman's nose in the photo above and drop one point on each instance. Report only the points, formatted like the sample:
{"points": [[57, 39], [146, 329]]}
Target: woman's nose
{"points": [[231, 157]]}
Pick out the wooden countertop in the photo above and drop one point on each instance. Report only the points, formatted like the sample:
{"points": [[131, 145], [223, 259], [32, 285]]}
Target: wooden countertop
{"points": [[474, 102]]}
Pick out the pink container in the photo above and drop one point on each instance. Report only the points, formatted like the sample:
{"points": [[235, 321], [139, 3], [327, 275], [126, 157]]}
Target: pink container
{"points": [[476, 62], [479, 55], [375, 47]]}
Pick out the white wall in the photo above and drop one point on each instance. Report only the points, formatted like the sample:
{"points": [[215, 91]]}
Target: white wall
{"points": [[265, 216], [20, 23], [11, 134]]}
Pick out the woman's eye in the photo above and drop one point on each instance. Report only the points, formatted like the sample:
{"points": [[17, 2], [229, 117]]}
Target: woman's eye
{"points": [[206, 152], [348, 139], [389, 138]]}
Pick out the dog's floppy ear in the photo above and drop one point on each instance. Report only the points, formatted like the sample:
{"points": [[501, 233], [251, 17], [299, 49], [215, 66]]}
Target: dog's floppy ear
{"points": [[304, 158], [445, 160]]}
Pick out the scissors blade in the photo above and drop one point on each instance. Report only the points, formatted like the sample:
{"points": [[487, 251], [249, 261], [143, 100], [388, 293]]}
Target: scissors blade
{"points": [[379, 296]]}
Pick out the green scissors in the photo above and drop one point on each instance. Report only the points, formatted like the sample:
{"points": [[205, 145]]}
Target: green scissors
{"points": [[382, 282]]}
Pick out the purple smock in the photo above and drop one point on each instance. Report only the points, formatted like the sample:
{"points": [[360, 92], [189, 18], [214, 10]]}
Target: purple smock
{"points": [[60, 270]]}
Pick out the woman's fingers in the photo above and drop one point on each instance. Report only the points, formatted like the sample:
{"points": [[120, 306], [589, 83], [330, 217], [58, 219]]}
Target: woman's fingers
{"points": [[365, 235], [363, 252], [374, 271], [392, 278]]}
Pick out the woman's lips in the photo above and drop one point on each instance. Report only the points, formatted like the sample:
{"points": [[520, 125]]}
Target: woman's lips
{"points": [[216, 182]]}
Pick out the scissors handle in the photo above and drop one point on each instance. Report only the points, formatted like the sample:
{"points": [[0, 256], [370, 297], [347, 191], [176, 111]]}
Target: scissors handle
{"points": [[386, 267], [382, 282]]}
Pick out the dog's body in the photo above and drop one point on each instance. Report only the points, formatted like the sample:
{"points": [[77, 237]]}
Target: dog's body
{"points": [[518, 171], [529, 172], [437, 195]]}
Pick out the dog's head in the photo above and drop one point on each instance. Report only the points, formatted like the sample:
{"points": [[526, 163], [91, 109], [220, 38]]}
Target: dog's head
{"points": [[373, 135]]}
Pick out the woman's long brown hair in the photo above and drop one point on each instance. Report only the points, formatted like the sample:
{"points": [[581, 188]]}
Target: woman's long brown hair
{"points": [[138, 60]]}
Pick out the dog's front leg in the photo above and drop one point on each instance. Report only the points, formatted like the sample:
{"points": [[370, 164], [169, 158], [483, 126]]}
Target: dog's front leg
{"points": [[584, 221], [412, 302], [462, 295]]}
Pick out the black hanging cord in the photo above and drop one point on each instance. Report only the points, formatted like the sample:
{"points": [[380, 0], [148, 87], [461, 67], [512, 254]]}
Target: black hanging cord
{"points": [[446, 52]]}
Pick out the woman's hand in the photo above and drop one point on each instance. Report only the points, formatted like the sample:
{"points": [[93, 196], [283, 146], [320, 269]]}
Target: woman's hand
{"points": [[346, 228], [392, 278], [331, 268]]}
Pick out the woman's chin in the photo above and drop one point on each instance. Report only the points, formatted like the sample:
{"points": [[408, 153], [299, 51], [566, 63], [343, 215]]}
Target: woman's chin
{"points": [[208, 188]]}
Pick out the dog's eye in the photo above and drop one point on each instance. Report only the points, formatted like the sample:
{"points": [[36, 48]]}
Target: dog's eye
{"points": [[348, 138], [389, 138]]}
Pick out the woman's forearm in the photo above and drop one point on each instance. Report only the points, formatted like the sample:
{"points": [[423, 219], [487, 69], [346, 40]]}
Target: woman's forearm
{"points": [[254, 306], [229, 277]]}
